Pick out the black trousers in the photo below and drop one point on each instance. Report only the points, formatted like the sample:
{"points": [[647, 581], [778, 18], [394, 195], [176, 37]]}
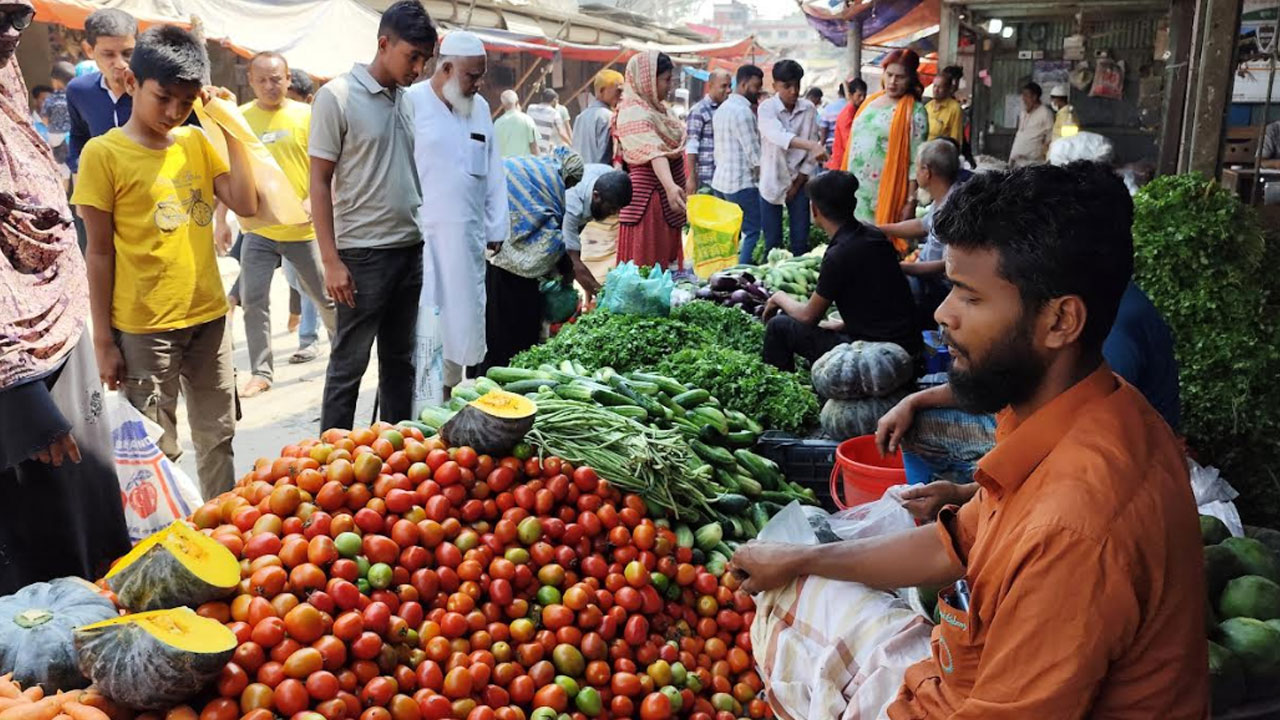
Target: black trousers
{"points": [[512, 315], [784, 338], [388, 282]]}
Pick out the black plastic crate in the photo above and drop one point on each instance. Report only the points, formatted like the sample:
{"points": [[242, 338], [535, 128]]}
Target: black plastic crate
{"points": [[804, 460]]}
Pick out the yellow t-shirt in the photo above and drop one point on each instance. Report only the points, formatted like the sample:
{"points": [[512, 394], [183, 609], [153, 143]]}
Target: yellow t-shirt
{"points": [[285, 133], [946, 117], [161, 202]]}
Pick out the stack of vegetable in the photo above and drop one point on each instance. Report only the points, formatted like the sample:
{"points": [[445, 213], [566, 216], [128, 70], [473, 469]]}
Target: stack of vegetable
{"points": [[382, 575], [747, 287], [862, 381], [649, 434], [1241, 576]]}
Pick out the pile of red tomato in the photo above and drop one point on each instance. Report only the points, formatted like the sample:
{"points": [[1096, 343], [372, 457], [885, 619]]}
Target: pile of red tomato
{"points": [[387, 577]]}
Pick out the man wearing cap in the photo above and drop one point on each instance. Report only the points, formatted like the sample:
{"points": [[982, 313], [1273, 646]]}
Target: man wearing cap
{"points": [[1062, 111], [591, 136], [460, 169]]}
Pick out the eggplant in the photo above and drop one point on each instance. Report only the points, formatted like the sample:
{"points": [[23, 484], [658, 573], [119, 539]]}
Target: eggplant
{"points": [[757, 292], [720, 281], [746, 279], [704, 293], [758, 310], [739, 296]]}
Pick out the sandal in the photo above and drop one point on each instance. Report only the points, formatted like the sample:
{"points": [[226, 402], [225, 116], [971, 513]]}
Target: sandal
{"points": [[255, 387], [305, 354]]}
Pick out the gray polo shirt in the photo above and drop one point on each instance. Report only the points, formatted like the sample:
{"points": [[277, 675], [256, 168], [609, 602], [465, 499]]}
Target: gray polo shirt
{"points": [[367, 130], [577, 205]]}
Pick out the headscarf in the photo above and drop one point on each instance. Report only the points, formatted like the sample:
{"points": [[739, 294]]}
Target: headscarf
{"points": [[645, 130], [571, 166], [44, 293]]}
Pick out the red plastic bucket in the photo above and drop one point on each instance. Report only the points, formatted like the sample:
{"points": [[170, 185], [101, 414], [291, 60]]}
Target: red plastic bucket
{"points": [[864, 474]]}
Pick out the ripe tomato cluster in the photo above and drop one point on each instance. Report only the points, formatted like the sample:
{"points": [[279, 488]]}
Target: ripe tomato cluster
{"points": [[388, 577]]}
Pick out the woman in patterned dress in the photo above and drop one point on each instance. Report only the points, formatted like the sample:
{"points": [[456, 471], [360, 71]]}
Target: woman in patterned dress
{"points": [[887, 132]]}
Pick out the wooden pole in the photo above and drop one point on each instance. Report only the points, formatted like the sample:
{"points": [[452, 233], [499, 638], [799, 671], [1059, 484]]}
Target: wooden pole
{"points": [[588, 83], [1212, 90]]}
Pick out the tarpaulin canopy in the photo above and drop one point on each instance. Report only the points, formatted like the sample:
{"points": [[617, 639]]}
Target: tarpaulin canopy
{"points": [[885, 22], [728, 49]]}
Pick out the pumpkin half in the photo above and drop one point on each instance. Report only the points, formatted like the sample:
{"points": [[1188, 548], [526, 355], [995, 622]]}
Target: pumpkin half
{"points": [[35, 631], [491, 424], [154, 660], [174, 567]]}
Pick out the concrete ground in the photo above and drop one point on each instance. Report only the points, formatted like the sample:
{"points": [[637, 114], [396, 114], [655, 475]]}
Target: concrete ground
{"points": [[290, 410]]}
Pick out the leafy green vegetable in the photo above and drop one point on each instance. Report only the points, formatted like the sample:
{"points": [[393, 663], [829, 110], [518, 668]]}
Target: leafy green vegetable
{"points": [[1203, 258], [622, 342], [779, 400], [731, 327]]}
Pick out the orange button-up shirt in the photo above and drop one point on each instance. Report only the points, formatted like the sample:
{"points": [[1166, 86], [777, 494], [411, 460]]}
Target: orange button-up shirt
{"points": [[1083, 556]]}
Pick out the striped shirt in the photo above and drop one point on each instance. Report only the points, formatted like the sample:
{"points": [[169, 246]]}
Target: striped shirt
{"points": [[737, 155], [550, 126], [701, 139]]}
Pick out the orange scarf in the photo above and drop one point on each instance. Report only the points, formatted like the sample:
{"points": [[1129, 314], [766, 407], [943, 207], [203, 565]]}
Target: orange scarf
{"points": [[895, 178]]}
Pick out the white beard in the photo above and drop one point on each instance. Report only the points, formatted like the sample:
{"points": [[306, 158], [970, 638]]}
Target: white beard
{"points": [[461, 103]]}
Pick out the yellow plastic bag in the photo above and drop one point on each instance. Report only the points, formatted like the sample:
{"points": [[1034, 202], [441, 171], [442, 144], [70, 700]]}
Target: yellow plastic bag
{"points": [[278, 204], [714, 226]]}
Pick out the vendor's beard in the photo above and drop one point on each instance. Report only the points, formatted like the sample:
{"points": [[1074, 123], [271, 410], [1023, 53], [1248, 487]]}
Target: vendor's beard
{"points": [[459, 101], [1009, 374]]}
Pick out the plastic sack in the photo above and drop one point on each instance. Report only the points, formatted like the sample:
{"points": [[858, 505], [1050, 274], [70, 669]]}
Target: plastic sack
{"points": [[832, 649], [714, 226], [1108, 79], [154, 490], [428, 360], [278, 203], [628, 292], [1081, 146], [1215, 496], [559, 301]]}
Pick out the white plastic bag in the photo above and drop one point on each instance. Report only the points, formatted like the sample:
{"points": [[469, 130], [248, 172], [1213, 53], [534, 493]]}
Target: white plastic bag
{"points": [[1215, 496], [885, 516], [428, 360], [154, 490]]}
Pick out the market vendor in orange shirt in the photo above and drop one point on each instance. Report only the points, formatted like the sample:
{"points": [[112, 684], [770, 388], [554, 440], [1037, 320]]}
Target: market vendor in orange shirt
{"points": [[1073, 582]]}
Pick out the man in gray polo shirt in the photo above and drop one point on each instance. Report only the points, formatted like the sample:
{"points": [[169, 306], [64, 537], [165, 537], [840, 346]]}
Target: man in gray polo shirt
{"points": [[364, 200]]}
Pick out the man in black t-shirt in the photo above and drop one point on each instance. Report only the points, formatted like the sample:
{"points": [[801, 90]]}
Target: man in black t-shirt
{"points": [[860, 274]]}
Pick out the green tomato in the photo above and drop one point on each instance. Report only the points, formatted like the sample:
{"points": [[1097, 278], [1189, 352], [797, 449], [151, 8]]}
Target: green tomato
{"points": [[693, 683], [722, 702], [674, 696], [395, 438], [568, 684], [348, 544], [362, 566], [679, 674], [380, 576], [588, 701], [660, 582], [363, 586], [548, 595], [517, 555], [543, 713], [523, 451], [529, 531]]}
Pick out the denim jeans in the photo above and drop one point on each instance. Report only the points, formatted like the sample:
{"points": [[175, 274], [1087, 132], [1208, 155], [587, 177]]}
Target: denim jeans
{"points": [[749, 200], [309, 325], [771, 218]]}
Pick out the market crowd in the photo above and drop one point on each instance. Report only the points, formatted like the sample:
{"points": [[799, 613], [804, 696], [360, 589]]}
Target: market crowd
{"points": [[419, 202]]}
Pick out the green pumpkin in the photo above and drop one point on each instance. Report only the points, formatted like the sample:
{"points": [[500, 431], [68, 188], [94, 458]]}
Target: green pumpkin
{"points": [[844, 419], [175, 566], [492, 424], [154, 660], [35, 631], [862, 369]]}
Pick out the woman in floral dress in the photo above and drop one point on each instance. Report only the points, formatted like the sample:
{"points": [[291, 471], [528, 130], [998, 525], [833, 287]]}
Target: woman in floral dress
{"points": [[887, 131]]}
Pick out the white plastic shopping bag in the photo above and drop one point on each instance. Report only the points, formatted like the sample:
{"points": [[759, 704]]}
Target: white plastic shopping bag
{"points": [[428, 360], [154, 490], [1215, 496], [833, 649]]}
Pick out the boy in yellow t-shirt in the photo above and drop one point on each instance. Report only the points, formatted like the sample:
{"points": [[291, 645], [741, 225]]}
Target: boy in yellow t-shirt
{"points": [[146, 191], [284, 127]]}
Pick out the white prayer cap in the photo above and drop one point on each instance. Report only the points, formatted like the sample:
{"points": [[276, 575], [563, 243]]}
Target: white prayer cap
{"points": [[460, 43]]}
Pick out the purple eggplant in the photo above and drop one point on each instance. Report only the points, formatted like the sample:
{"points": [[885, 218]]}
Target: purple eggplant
{"points": [[757, 310], [720, 281], [740, 296], [704, 293], [756, 291], [746, 279]]}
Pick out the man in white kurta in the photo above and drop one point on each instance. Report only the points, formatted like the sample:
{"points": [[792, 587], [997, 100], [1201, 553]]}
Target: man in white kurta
{"points": [[464, 194]]}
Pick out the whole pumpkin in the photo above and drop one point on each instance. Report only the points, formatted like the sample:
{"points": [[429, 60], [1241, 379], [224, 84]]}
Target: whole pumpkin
{"points": [[862, 369], [844, 419], [36, 626]]}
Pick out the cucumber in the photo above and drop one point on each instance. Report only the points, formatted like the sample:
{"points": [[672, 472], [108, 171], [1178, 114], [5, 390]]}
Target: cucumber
{"points": [[649, 404], [456, 403], [434, 416], [668, 385], [504, 375], [684, 536], [737, 420], [728, 480], [711, 435], [714, 455], [735, 529], [574, 391], [607, 397], [759, 516], [731, 503], [762, 469], [466, 393], [749, 486], [725, 548], [708, 536], [716, 563], [749, 528], [742, 438], [421, 427], [692, 398], [520, 387], [604, 373], [754, 426], [566, 366], [644, 387], [707, 415], [579, 368], [634, 412], [485, 384], [665, 401]]}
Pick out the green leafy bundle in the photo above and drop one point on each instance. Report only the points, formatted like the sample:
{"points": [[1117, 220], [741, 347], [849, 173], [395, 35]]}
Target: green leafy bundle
{"points": [[743, 382], [1202, 257], [729, 327], [623, 342]]}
